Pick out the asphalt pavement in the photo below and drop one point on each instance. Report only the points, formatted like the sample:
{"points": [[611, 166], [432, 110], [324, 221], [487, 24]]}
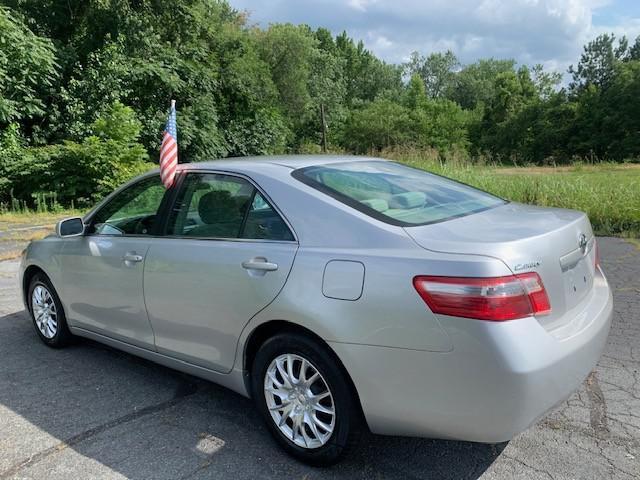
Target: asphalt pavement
{"points": [[89, 411]]}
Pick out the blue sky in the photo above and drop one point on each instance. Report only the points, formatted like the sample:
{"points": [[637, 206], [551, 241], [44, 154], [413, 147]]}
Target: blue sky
{"points": [[551, 32], [617, 10]]}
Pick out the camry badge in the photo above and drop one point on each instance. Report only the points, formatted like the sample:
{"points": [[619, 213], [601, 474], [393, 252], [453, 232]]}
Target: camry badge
{"points": [[582, 242], [527, 266]]}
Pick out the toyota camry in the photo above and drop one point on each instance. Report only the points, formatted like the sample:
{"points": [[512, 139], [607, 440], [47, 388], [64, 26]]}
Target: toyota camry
{"points": [[339, 293]]}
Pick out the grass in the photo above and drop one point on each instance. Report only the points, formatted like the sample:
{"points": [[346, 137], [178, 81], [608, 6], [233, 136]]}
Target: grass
{"points": [[608, 193], [19, 228], [635, 242], [9, 254], [27, 235], [35, 218]]}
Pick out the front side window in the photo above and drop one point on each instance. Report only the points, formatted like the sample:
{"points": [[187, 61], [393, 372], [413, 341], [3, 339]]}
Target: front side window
{"points": [[395, 193], [134, 211], [212, 205]]}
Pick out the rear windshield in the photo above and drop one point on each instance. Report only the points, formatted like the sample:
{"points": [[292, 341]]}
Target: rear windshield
{"points": [[395, 193]]}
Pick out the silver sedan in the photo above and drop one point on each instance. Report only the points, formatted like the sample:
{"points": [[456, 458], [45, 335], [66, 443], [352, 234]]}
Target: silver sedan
{"points": [[339, 293]]}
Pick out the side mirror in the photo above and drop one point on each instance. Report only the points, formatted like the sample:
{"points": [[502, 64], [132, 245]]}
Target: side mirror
{"points": [[70, 227]]}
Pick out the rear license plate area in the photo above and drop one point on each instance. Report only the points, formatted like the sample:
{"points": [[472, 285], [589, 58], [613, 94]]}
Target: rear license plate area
{"points": [[578, 281]]}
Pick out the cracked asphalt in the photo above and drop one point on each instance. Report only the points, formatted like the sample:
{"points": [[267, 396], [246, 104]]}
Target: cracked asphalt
{"points": [[92, 412]]}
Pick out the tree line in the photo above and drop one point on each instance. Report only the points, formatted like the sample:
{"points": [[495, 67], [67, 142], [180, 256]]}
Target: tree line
{"points": [[85, 87]]}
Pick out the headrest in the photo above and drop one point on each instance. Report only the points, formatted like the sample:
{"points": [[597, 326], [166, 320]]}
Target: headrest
{"points": [[378, 204], [217, 207], [408, 200]]}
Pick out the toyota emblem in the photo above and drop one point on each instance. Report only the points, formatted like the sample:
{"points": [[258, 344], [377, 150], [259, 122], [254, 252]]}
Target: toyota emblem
{"points": [[582, 242]]}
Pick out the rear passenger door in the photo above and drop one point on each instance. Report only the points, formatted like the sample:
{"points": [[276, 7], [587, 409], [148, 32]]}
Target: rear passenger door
{"points": [[226, 255]]}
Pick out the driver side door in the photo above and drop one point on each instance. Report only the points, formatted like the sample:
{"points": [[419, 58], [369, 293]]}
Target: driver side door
{"points": [[103, 270]]}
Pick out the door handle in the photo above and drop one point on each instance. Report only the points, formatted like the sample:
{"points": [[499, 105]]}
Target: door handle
{"points": [[260, 264], [132, 257]]}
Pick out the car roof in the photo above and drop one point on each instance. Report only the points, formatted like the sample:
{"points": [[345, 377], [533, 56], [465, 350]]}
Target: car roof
{"points": [[287, 161]]}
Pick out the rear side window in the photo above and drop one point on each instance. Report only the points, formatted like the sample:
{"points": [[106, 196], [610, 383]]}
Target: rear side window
{"points": [[396, 194], [224, 206], [264, 223]]}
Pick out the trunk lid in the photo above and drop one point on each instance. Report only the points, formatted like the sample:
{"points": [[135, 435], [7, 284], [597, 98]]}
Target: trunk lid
{"points": [[527, 239]]}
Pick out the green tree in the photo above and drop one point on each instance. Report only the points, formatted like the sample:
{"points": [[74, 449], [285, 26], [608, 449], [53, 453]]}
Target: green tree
{"points": [[146, 52], [546, 83], [598, 62], [500, 129], [607, 123], [27, 70], [380, 124], [416, 95], [327, 88], [621, 104], [82, 172], [634, 50], [440, 124], [288, 50], [474, 83], [366, 76], [438, 72], [11, 150], [244, 90], [307, 74]]}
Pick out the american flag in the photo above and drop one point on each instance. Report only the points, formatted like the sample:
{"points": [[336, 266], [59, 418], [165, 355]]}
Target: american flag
{"points": [[169, 149]]}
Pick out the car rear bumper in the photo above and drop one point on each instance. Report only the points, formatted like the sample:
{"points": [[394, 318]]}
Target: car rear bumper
{"points": [[499, 379]]}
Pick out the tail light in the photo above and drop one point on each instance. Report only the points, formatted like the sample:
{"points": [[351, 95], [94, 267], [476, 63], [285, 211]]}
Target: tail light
{"points": [[495, 298], [597, 253]]}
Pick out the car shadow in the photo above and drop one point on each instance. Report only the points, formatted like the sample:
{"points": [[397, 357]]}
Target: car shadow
{"points": [[91, 411]]}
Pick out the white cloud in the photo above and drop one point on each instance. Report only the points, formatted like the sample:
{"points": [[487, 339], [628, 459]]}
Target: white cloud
{"points": [[550, 32]]}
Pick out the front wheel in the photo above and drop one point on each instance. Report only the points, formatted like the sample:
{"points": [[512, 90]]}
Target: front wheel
{"points": [[306, 400], [47, 313]]}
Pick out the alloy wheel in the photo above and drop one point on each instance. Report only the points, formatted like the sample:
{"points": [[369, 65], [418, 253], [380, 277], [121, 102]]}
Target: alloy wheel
{"points": [[44, 311], [299, 401]]}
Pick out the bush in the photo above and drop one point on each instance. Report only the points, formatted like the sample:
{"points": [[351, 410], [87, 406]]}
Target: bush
{"points": [[380, 124], [419, 122], [10, 151], [79, 173], [265, 133]]}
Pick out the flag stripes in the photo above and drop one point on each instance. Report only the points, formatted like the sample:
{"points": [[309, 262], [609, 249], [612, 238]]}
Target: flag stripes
{"points": [[169, 150]]}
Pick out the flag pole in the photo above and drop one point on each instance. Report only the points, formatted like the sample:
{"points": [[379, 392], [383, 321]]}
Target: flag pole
{"points": [[173, 107]]}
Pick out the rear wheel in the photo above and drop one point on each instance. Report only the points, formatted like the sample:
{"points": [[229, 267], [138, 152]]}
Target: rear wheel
{"points": [[305, 399], [47, 313]]}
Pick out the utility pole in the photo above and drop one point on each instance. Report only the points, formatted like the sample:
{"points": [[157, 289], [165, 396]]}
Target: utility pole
{"points": [[324, 128]]}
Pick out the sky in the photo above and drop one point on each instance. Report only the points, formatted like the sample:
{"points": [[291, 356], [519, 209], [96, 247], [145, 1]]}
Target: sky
{"points": [[550, 32]]}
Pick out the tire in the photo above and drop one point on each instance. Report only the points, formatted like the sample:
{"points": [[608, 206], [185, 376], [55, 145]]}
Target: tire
{"points": [[50, 324], [306, 402]]}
